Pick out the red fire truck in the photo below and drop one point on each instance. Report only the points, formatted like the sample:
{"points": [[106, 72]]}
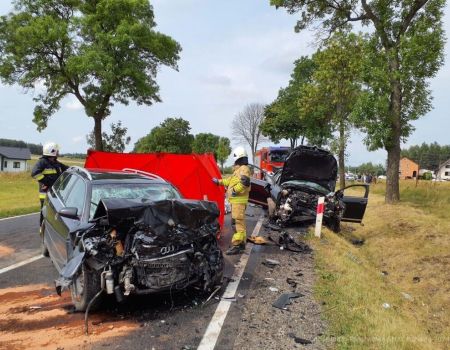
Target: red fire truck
{"points": [[270, 159]]}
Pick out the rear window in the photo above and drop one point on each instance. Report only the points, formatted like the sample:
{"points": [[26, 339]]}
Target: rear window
{"points": [[146, 192]]}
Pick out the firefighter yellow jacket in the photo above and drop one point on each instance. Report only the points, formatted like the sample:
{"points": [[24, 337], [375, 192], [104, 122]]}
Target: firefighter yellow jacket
{"points": [[238, 185]]}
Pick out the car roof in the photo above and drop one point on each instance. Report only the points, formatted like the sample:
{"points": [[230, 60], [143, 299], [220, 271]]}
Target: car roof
{"points": [[112, 175]]}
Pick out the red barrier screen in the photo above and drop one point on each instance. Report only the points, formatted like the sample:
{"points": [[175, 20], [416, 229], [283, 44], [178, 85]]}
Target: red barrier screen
{"points": [[190, 173]]}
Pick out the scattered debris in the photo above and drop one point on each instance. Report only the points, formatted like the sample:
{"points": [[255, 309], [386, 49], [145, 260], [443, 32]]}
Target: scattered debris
{"points": [[284, 300], [386, 306], [384, 273], [416, 279], [270, 262], [273, 289], [291, 282], [257, 240], [353, 258], [299, 340], [240, 295], [36, 307], [357, 242], [269, 279], [212, 294], [407, 296]]}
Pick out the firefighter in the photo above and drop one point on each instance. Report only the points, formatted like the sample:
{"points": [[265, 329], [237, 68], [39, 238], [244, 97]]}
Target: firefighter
{"points": [[46, 171], [238, 189]]}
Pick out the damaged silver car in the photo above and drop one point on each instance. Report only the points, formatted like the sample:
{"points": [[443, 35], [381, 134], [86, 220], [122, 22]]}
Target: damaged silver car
{"points": [[128, 233], [291, 194]]}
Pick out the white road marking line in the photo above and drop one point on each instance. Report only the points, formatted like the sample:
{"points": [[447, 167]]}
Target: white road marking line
{"points": [[19, 264], [212, 332], [19, 216]]}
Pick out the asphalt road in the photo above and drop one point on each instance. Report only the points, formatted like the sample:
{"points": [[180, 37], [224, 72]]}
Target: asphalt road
{"points": [[33, 316]]}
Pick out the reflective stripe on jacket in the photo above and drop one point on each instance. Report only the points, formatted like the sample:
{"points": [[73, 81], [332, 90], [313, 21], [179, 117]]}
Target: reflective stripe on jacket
{"points": [[238, 184], [46, 172]]}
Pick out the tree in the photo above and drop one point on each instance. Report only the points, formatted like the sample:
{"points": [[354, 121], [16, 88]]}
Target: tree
{"points": [[283, 117], [335, 89], [101, 51], [223, 151], [172, 135], [205, 143], [115, 142], [245, 127], [428, 156], [406, 49]]}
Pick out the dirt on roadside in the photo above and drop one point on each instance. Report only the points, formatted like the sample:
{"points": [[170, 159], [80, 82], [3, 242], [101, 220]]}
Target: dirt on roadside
{"points": [[266, 327], [35, 317]]}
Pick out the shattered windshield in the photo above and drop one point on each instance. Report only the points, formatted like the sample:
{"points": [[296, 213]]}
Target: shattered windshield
{"points": [[278, 156], [146, 192]]}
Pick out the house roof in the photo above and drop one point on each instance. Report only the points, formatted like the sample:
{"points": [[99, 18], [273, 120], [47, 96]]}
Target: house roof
{"points": [[15, 153], [444, 164], [409, 160]]}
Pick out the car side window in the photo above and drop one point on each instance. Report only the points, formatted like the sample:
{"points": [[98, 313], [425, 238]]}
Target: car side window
{"points": [[77, 195], [66, 185], [59, 181]]}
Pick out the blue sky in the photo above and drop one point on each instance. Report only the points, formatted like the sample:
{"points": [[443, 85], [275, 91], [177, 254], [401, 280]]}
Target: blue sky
{"points": [[234, 53]]}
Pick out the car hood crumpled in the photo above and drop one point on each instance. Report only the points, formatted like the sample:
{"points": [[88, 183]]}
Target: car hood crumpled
{"points": [[313, 164]]}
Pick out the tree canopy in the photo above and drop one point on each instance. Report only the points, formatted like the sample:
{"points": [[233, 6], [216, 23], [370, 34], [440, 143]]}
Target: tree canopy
{"points": [[172, 135], [114, 142], [428, 156], [406, 49], [102, 52], [284, 119]]}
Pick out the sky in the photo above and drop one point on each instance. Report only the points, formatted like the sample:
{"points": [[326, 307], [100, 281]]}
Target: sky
{"points": [[234, 53]]}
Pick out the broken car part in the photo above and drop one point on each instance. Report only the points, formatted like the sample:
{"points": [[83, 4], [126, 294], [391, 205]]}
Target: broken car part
{"points": [[138, 248], [284, 300]]}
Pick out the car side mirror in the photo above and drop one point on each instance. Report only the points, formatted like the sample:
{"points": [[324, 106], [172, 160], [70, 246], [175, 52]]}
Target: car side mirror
{"points": [[69, 212]]}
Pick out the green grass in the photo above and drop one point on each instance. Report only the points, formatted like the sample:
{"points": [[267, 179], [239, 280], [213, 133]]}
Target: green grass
{"points": [[408, 239], [19, 191], [18, 194]]}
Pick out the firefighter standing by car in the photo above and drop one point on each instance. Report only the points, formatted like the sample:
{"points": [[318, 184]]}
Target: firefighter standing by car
{"points": [[47, 170], [238, 189]]}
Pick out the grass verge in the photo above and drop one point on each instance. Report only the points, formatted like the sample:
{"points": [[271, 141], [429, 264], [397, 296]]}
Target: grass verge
{"points": [[18, 194], [404, 265]]}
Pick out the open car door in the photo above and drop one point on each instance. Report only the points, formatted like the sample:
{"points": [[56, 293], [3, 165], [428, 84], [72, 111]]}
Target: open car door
{"points": [[355, 202], [259, 192]]}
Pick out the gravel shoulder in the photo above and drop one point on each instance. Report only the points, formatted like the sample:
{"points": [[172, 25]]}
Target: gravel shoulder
{"points": [[266, 327]]}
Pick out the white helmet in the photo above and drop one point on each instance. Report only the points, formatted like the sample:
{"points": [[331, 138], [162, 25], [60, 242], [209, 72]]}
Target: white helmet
{"points": [[239, 152], [50, 149]]}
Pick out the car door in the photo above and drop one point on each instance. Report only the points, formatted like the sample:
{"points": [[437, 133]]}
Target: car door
{"points": [[355, 198], [259, 192], [68, 194]]}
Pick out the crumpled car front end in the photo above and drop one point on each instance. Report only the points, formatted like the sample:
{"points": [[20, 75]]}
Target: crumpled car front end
{"points": [[308, 173], [142, 248]]}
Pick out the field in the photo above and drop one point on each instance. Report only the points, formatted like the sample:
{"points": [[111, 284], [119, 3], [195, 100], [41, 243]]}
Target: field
{"points": [[19, 192], [393, 292]]}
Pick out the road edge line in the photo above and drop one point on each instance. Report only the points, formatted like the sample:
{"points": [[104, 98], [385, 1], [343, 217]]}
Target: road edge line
{"points": [[212, 332], [19, 216], [19, 264]]}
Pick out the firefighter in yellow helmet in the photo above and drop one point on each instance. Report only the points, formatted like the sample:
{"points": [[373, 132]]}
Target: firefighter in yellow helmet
{"points": [[47, 170], [238, 189]]}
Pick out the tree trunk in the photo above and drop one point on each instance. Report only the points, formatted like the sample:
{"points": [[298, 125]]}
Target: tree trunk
{"points": [[341, 155], [98, 133], [303, 140], [393, 145]]}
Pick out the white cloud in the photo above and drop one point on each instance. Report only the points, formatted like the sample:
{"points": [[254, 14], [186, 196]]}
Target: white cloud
{"points": [[78, 139], [73, 104]]}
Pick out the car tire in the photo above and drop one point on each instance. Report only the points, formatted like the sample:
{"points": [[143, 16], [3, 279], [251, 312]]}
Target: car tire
{"points": [[85, 286], [44, 249]]}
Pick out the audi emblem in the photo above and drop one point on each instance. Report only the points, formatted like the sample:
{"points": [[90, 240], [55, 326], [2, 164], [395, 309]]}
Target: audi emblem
{"points": [[167, 249]]}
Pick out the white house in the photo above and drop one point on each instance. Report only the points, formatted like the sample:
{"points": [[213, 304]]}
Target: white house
{"points": [[444, 171], [14, 159]]}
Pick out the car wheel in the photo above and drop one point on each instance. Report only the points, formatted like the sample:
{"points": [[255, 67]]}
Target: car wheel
{"points": [[85, 286], [44, 249]]}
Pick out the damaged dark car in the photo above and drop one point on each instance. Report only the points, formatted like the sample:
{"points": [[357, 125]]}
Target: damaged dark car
{"points": [[291, 194], [125, 233]]}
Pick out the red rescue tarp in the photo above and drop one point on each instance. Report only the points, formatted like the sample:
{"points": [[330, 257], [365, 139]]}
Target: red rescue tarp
{"points": [[191, 174]]}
